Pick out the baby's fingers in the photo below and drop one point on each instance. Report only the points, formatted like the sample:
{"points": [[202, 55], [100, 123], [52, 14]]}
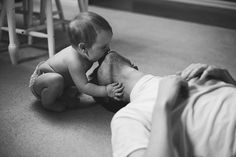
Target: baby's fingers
{"points": [[117, 85], [119, 88], [119, 94], [118, 98]]}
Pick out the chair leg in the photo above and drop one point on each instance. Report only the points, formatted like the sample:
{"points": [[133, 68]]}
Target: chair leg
{"points": [[83, 5], [13, 42], [25, 13], [42, 11], [50, 28], [60, 12], [2, 16], [59, 8], [30, 19]]}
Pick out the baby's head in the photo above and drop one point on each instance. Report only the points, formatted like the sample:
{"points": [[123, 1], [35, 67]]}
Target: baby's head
{"points": [[91, 32]]}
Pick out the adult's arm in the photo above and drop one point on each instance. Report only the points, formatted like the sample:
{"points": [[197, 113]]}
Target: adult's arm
{"points": [[170, 94], [160, 142]]}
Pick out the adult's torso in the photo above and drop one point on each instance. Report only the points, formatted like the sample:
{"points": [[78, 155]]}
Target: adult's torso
{"points": [[204, 124]]}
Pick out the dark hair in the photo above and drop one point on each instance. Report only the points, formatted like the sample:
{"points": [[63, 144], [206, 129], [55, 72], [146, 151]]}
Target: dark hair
{"points": [[84, 28]]}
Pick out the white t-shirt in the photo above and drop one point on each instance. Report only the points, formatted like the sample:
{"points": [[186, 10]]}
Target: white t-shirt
{"points": [[131, 125], [205, 125]]}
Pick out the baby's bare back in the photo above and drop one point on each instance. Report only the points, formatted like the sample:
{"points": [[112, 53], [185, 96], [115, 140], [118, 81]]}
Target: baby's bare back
{"points": [[60, 62]]}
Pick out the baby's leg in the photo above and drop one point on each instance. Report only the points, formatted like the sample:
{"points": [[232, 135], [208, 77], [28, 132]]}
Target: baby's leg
{"points": [[50, 86], [71, 91], [71, 97]]}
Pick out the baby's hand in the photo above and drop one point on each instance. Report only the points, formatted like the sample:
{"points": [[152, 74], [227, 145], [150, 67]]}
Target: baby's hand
{"points": [[115, 90]]}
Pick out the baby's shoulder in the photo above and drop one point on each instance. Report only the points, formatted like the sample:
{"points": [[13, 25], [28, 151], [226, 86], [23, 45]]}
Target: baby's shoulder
{"points": [[79, 62], [66, 49]]}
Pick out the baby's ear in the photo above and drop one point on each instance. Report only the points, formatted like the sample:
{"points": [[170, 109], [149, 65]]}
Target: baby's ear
{"points": [[82, 46]]}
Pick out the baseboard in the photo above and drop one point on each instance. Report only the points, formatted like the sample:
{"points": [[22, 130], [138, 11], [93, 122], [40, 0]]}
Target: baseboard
{"points": [[198, 13], [225, 4]]}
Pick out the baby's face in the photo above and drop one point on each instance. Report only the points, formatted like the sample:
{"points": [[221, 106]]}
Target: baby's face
{"points": [[101, 46]]}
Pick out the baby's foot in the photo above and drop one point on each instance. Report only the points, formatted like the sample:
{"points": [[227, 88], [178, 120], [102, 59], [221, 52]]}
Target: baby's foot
{"points": [[58, 106], [71, 92], [73, 103]]}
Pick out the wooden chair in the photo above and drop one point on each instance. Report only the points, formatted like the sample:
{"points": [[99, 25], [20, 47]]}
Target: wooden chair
{"points": [[46, 12], [83, 5]]}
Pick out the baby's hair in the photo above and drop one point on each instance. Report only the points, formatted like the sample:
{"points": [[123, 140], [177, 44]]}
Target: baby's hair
{"points": [[84, 28]]}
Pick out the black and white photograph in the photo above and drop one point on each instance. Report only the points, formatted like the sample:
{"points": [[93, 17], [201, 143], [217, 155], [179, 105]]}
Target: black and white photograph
{"points": [[117, 78]]}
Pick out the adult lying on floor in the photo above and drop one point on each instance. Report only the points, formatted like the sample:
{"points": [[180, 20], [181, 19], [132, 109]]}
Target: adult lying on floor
{"points": [[170, 116]]}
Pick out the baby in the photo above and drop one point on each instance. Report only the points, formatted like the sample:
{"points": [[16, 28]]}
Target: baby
{"points": [[90, 36]]}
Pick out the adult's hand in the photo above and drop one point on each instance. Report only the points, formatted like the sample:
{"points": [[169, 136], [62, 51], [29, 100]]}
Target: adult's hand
{"points": [[204, 71]]}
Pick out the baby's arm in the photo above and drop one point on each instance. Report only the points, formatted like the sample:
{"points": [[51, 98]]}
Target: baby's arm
{"points": [[78, 74]]}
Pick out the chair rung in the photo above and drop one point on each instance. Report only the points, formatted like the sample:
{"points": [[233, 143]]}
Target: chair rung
{"points": [[27, 32], [44, 26], [56, 12], [33, 31]]}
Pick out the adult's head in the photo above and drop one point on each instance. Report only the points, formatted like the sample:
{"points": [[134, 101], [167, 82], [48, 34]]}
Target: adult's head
{"points": [[116, 68], [85, 27]]}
